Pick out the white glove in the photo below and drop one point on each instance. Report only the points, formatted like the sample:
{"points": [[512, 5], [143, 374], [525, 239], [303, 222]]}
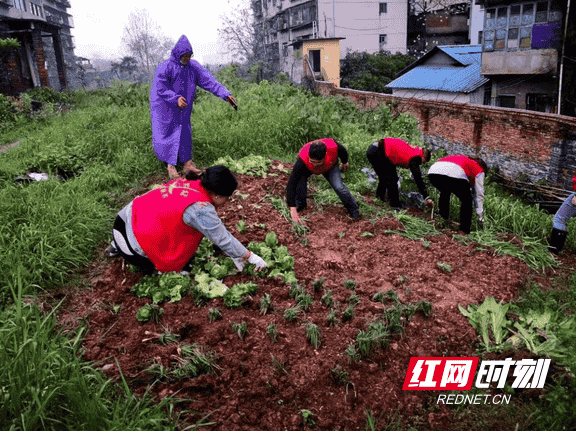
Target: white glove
{"points": [[257, 260], [253, 259]]}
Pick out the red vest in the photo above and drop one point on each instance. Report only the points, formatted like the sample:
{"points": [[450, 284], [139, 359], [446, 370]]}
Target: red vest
{"points": [[470, 167], [158, 226], [574, 183], [329, 161], [400, 152]]}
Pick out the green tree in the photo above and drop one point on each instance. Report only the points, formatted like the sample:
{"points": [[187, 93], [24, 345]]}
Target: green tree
{"points": [[371, 72]]}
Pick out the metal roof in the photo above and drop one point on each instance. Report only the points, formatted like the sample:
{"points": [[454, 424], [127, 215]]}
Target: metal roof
{"points": [[453, 78]]}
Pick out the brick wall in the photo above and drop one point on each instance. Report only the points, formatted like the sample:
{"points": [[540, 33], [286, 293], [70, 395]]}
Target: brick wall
{"points": [[540, 145], [38, 48]]}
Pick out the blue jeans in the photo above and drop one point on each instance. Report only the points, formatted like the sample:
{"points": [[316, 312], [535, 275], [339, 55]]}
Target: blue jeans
{"points": [[566, 211], [334, 177]]}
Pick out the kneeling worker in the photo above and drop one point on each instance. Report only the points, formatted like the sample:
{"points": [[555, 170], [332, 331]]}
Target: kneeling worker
{"points": [[161, 230], [463, 176], [319, 157], [384, 155]]}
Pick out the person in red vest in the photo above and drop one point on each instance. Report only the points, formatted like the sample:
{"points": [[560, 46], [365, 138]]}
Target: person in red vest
{"points": [[384, 155], [319, 157], [161, 230], [463, 176], [560, 221]]}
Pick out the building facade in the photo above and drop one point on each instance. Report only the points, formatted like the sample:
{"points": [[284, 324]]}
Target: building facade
{"points": [[46, 54], [360, 25], [521, 48]]}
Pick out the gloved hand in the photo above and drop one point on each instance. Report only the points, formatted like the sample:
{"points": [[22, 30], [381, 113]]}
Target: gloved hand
{"points": [[481, 222], [253, 259], [257, 260]]}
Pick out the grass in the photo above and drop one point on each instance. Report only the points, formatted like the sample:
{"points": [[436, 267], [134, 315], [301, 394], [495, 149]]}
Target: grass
{"points": [[292, 313], [313, 334], [272, 332], [240, 329], [350, 284], [214, 314], [265, 304]]}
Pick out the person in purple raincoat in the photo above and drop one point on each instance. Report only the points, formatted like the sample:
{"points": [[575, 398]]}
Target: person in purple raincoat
{"points": [[171, 100]]}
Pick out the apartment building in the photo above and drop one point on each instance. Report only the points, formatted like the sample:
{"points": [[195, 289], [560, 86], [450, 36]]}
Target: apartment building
{"points": [[46, 54], [521, 48], [360, 25]]}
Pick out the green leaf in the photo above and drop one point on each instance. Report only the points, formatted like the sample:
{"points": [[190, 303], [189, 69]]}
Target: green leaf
{"points": [[271, 240]]}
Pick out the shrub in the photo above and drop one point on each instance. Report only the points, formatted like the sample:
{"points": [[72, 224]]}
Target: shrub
{"points": [[8, 112]]}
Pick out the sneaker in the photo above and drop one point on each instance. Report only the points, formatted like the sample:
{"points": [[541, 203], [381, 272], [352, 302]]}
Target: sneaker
{"points": [[112, 251]]}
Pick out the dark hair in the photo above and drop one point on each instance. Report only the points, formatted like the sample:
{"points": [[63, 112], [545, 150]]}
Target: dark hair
{"points": [[217, 179], [482, 163], [317, 151], [426, 154]]}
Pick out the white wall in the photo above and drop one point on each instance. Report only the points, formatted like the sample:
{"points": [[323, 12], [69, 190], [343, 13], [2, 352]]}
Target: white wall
{"points": [[360, 23], [476, 23]]}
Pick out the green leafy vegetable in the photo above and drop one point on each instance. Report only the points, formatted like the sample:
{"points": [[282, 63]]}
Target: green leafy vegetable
{"points": [[489, 315], [236, 295]]}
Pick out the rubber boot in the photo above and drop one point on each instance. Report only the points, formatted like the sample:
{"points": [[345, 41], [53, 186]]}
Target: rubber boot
{"points": [[557, 240]]}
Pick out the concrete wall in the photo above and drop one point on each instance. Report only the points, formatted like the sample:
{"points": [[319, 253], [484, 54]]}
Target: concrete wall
{"points": [[536, 144], [361, 23]]}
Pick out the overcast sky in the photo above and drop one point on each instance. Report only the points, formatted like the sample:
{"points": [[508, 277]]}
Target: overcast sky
{"points": [[99, 26]]}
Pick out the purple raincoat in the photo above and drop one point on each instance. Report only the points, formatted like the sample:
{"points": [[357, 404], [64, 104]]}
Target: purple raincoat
{"points": [[171, 128]]}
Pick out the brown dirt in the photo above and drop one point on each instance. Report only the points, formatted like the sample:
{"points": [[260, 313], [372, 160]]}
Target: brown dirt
{"points": [[251, 391]]}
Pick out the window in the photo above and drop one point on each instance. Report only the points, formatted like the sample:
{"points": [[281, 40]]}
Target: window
{"points": [[488, 93], [382, 39], [383, 8], [523, 26], [20, 4], [480, 37], [35, 9], [540, 102], [506, 101]]}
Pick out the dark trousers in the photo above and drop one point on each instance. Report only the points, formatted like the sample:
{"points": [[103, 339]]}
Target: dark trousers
{"points": [[334, 177], [144, 264], [387, 176], [461, 188]]}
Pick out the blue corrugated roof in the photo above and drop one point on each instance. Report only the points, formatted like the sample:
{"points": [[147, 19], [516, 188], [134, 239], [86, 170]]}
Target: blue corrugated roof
{"points": [[464, 79], [465, 54]]}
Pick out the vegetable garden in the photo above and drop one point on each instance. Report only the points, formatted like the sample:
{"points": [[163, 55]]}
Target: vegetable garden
{"points": [[319, 340]]}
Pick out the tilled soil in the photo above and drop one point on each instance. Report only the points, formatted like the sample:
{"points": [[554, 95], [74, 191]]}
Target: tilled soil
{"points": [[260, 385]]}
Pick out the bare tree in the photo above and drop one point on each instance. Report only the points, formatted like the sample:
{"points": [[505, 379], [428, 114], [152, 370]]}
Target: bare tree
{"points": [[237, 32], [146, 42]]}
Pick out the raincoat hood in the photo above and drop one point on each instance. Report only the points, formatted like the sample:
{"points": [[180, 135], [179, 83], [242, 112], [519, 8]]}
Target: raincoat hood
{"points": [[182, 47]]}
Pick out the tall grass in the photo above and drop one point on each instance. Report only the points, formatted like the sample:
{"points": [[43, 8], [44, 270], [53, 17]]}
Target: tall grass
{"points": [[45, 385]]}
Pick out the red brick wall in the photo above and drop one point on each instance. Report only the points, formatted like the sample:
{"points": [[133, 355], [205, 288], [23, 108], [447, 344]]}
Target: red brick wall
{"points": [[540, 145], [40, 60], [14, 83], [514, 131]]}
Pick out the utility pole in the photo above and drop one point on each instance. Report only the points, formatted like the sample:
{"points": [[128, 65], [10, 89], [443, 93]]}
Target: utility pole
{"points": [[562, 59], [333, 18]]}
